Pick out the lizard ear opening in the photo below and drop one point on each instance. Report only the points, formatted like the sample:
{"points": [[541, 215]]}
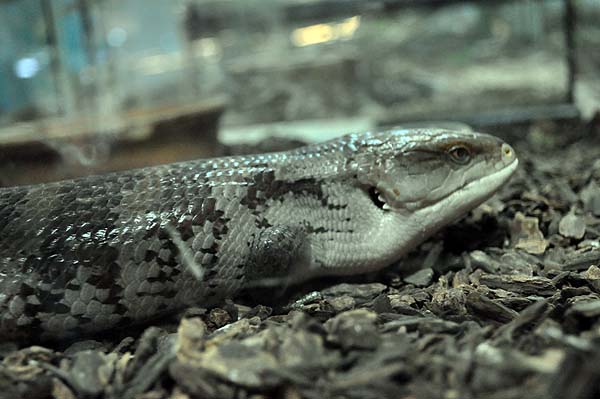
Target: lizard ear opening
{"points": [[376, 198]]}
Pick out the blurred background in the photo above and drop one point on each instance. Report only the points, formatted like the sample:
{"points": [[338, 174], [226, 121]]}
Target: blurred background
{"points": [[88, 86]]}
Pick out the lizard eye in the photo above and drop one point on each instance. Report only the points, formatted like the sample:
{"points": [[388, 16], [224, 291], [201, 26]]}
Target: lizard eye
{"points": [[460, 154]]}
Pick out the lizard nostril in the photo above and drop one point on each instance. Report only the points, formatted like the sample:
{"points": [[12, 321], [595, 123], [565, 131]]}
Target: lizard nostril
{"points": [[507, 152]]}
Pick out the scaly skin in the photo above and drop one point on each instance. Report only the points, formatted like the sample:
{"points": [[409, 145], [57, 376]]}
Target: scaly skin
{"points": [[80, 256]]}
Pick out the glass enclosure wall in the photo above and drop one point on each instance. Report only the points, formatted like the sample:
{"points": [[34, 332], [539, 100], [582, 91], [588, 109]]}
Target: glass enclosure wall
{"points": [[28, 80], [99, 62]]}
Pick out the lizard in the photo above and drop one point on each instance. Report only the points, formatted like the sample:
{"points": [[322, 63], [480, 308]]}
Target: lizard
{"points": [[84, 255]]}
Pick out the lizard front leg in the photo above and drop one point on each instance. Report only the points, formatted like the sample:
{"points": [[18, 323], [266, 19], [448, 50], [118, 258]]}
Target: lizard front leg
{"points": [[279, 255]]}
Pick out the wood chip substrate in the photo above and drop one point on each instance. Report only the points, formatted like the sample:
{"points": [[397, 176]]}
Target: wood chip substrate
{"points": [[504, 303]]}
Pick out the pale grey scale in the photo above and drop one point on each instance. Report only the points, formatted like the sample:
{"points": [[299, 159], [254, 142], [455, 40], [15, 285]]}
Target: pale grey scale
{"points": [[232, 246], [345, 229], [142, 297], [87, 302], [188, 289]]}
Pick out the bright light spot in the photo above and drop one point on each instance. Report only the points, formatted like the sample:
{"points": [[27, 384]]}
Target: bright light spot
{"points": [[207, 47], [347, 28], [159, 63], [116, 37], [322, 33], [26, 68], [313, 34]]}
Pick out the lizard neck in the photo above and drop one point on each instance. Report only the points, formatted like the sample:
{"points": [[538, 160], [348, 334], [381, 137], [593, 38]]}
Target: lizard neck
{"points": [[377, 239]]}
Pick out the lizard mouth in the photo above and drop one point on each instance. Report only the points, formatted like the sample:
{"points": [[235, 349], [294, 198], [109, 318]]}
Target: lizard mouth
{"points": [[378, 199], [486, 183], [475, 192]]}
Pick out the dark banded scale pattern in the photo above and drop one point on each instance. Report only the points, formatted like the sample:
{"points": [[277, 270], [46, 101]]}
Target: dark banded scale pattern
{"points": [[84, 255]]}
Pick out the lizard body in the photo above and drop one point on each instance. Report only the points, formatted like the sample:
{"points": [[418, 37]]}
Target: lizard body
{"points": [[83, 255]]}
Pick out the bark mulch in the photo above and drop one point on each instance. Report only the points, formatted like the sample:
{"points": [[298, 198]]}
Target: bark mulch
{"points": [[504, 303]]}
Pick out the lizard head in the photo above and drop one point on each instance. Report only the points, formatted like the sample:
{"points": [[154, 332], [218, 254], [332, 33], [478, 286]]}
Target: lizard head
{"points": [[435, 173]]}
